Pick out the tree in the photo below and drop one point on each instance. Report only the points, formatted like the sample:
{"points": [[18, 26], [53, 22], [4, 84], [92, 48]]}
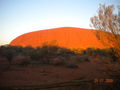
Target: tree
{"points": [[108, 23]]}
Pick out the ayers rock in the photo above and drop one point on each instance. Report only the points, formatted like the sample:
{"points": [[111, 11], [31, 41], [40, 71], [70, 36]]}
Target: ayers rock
{"points": [[68, 37]]}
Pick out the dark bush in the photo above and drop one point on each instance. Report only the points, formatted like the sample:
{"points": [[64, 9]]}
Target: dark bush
{"points": [[65, 52], [100, 52], [58, 61], [8, 52], [47, 54], [24, 63], [94, 52], [83, 58], [72, 66]]}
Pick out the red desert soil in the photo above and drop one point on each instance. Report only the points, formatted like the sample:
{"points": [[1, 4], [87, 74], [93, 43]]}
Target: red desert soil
{"points": [[50, 74], [67, 37]]}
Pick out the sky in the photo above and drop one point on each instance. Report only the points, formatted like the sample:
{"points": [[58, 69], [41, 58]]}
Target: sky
{"points": [[22, 16]]}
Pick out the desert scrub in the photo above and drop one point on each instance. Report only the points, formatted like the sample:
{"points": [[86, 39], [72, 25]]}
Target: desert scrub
{"points": [[72, 66]]}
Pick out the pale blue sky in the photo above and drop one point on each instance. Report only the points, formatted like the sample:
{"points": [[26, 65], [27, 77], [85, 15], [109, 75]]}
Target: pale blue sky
{"points": [[21, 16]]}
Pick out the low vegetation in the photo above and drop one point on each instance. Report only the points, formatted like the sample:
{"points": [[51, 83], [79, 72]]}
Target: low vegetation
{"points": [[54, 55]]}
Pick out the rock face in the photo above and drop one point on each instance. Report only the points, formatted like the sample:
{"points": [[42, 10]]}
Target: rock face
{"points": [[68, 37]]}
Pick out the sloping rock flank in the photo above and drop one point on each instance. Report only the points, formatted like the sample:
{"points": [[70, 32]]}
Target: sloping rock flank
{"points": [[68, 37]]}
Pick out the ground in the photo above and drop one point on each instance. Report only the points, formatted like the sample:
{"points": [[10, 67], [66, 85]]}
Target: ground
{"points": [[45, 74]]}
